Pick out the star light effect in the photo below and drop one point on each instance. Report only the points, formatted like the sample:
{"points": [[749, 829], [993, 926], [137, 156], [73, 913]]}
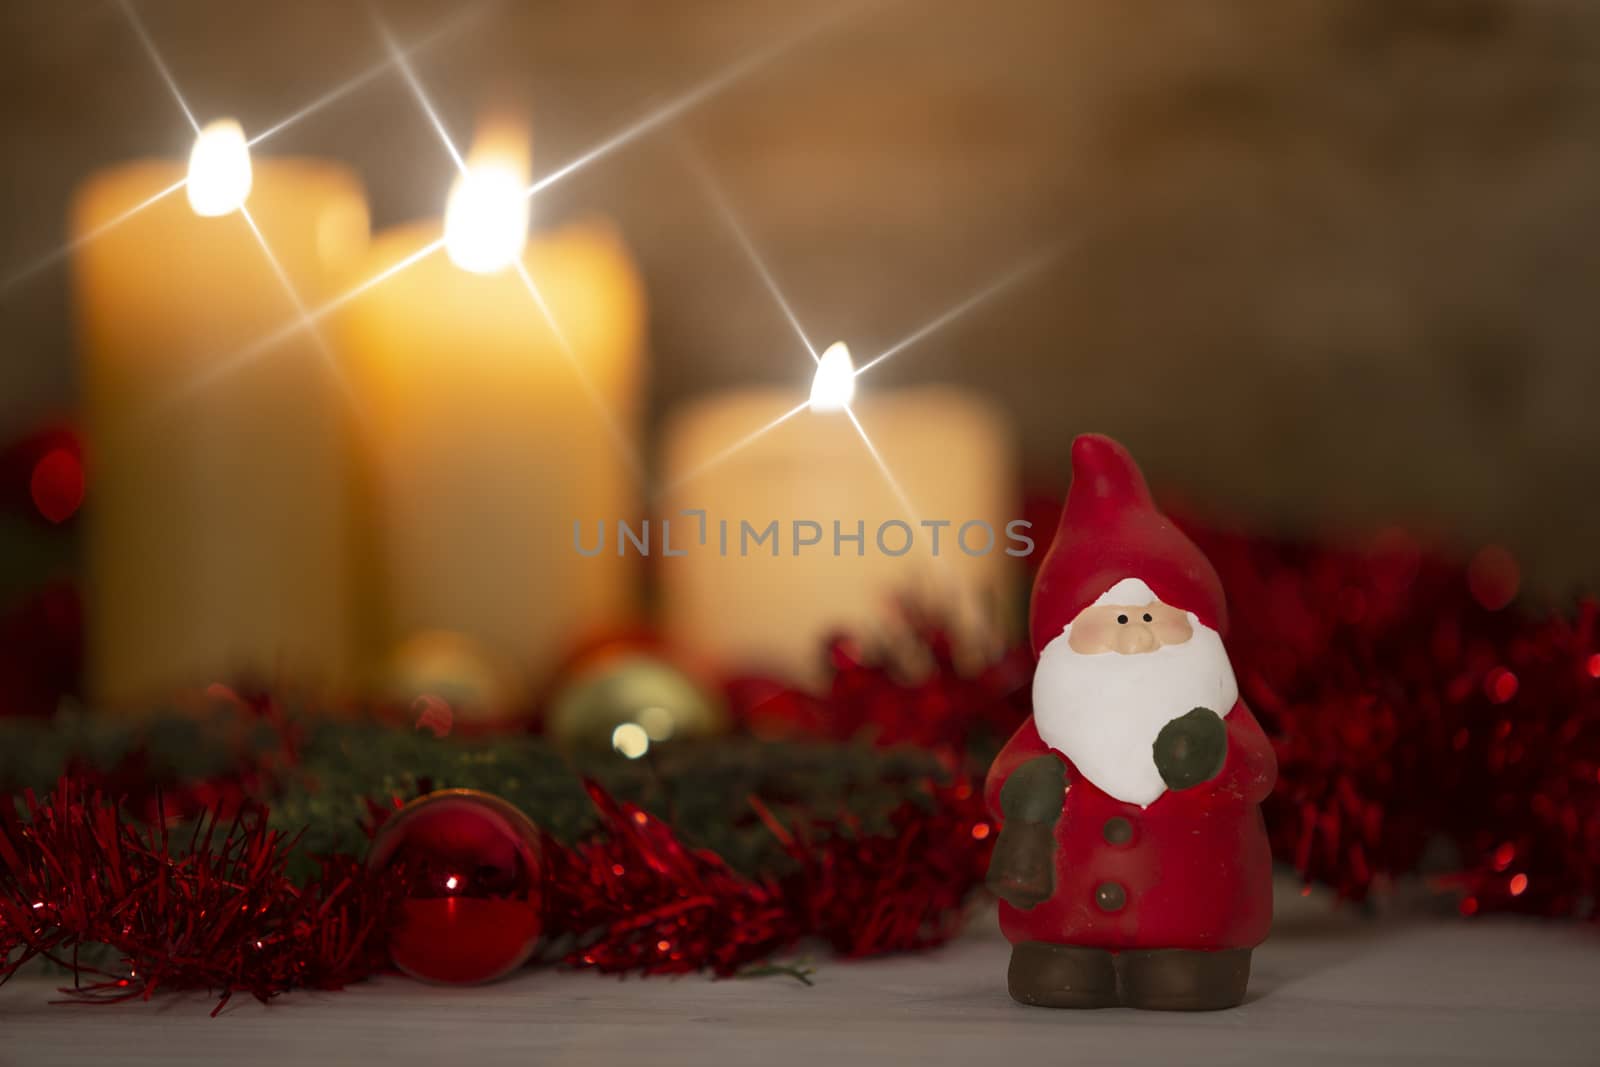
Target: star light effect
{"points": [[337, 93], [832, 389], [699, 94], [832, 402], [1027, 268], [716, 459], [255, 350], [833, 385], [237, 189], [883, 469], [719, 200], [673, 109], [219, 174], [510, 254]]}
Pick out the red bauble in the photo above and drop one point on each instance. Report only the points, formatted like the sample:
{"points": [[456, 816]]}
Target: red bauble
{"points": [[470, 869]]}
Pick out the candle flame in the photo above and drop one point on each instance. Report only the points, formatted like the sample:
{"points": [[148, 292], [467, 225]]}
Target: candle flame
{"points": [[486, 217], [835, 383], [219, 169]]}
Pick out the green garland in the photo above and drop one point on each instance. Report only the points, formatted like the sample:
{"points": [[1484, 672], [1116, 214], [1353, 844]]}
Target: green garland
{"points": [[322, 786]]}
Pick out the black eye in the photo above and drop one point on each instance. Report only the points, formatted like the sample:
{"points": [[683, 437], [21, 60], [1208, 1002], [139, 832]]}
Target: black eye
{"points": [[1147, 617], [1122, 619]]}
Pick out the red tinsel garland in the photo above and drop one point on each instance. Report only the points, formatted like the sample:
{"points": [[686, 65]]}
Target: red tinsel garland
{"points": [[1417, 715], [216, 911], [221, 912], [931, 703], [638, 899], [1419, 721]]}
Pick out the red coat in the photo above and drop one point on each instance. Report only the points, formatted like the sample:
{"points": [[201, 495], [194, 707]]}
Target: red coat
{"points": [[1194, 872]]}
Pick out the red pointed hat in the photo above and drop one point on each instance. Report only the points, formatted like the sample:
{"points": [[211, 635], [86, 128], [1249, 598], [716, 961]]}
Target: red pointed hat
{"points": [[1110, 530]]}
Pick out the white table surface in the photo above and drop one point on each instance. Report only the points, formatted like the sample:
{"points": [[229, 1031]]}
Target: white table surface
{"points": [[1496, 991]]}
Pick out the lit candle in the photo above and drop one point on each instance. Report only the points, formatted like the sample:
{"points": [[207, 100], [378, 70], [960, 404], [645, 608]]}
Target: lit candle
{"points": [[742, 604], [493, 431], [217, 517]]}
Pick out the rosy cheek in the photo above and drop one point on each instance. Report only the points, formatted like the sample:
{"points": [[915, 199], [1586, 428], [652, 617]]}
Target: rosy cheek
{"points": [[1174, 631], [1087, 637]]}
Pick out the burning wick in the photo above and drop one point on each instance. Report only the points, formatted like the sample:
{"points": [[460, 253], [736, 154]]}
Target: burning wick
{"points": [[219, 169], [835, 383], [486, 216]]}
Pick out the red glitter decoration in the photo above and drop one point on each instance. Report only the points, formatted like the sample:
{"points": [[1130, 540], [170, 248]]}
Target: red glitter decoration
{"points": [[41, 473], [215, 910], [1436, 715], [645, 902], [56, 485], [874, 696], [220, 914], [434, 715], [1410, 717], [1494, 577], [1500, 685]]}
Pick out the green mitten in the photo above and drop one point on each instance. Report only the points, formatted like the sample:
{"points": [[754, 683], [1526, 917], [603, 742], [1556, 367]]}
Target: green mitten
{"points": [[1022, 868], [1191, 748]]}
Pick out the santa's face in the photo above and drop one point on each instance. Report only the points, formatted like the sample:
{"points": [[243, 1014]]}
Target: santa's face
{"points": [[1128, 629], [1125, 667]]}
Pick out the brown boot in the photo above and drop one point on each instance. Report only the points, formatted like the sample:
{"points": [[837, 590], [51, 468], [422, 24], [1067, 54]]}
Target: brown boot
{"points": [[1061, 976], [1174, 979]]}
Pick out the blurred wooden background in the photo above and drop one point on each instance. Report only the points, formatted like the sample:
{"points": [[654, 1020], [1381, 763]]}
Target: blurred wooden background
{"points": [[1329, 262]]}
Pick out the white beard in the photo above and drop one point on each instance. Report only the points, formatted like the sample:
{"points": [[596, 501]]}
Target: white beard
{"points": [[1103, 711]]}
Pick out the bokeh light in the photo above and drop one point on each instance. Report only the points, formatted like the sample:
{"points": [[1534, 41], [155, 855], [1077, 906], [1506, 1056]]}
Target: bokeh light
{"points": [[56, 485]]}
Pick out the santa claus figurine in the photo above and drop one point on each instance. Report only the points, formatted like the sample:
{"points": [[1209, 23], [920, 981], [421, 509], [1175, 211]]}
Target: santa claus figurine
{"points": [[1132, 864]]}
